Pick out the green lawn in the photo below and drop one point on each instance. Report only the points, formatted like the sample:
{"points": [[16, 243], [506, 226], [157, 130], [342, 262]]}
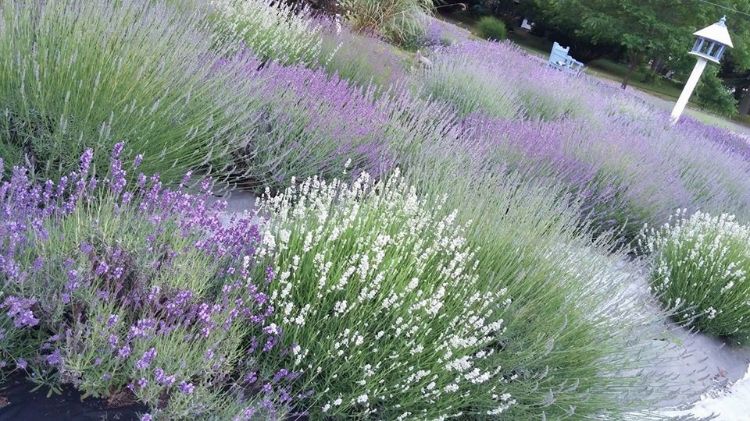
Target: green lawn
{"points": [[661, 87]]}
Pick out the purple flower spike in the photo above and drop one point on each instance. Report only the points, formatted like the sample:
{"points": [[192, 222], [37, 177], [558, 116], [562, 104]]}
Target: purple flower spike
{"points": [[146, 359], [19, 309], [86, 158], [124, 352], [138, 160], [186, 388], [54, 359]]}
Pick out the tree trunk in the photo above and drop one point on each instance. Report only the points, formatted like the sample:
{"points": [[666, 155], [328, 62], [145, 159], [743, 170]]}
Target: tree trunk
{"points": [[745, 102], [657, 65], [633, 61]]}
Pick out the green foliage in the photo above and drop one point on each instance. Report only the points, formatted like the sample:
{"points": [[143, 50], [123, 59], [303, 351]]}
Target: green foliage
{"points": [[491, 28], [87, 321], [79, 73], [712, 94], [400, 21], [381, 303], [273, 30], [359, 58], [470, 89], [649, 29], [527, 242], [700, 267]]}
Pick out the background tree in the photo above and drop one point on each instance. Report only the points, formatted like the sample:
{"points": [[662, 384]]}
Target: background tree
{"points": [[658, 32]]}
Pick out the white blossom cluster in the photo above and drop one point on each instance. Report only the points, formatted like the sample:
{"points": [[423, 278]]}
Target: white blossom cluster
{"points": [[700, 269], [271, 29], [379, 293]]}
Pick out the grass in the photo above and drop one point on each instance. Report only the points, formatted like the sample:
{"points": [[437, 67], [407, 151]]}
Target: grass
{"points": [[662, 88], [400, 21]]}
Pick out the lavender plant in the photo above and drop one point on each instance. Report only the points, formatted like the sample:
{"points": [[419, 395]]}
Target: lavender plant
{"points": [[273, 30], [700, 265], [80, 74], [134, 293], [311, 124], [615, 152], [361, 59], [573, 346], [378, 299], [499, 80]]}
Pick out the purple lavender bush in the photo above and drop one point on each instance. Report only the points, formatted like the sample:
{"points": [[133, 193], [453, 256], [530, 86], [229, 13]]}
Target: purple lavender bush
{"points": [[136, 292], [499, 80], [617, 154], [359, 58], [312, 124], [309, 124]]}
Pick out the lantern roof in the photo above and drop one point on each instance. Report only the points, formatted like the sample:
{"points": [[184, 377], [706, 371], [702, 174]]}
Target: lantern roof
{"points": [[717, 32]]}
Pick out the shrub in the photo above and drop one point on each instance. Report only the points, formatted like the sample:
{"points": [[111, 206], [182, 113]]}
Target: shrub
{"points": [[700, 267], [619, 153], [132, 295], [712, 94], [567, 293], [310, 123], [469, 89], [79, 73], [400, 21], [379, 300], [272, 30], [359, 58], [441, 33], [497, 80], [491, 28]]}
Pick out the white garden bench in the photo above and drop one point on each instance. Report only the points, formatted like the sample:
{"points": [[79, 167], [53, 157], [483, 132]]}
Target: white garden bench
{"points": [[561, 60]]}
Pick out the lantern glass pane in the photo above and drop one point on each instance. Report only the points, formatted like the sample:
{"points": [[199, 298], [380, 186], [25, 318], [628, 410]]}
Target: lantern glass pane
{"points": [[698, 45]]}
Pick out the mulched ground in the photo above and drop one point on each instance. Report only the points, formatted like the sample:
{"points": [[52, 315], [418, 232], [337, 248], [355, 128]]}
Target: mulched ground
{"points": [[19, 403]]}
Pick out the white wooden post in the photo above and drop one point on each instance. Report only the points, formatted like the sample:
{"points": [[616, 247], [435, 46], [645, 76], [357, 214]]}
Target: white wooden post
{"points": [[695, 76]]}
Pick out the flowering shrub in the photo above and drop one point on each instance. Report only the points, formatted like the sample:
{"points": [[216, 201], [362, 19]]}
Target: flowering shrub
{"points": [[360, 59], [611, 150], [80, 74], [498, 80], [566, 294], [273, 30], [466, 88], [309, 123], [133, 294], [700, 268], [377, 297]]}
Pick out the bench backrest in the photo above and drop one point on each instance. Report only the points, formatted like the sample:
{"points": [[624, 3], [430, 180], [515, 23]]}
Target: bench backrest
{"points": [[559, 58]]}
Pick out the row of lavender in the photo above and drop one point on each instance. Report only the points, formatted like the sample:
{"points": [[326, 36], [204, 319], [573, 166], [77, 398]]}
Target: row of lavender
{"points": [[620, 153], [477, 292]]}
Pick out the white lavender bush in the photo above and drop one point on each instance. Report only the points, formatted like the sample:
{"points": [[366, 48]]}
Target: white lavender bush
{"points": [[378, 300], [273, 30], [700, 267]]}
